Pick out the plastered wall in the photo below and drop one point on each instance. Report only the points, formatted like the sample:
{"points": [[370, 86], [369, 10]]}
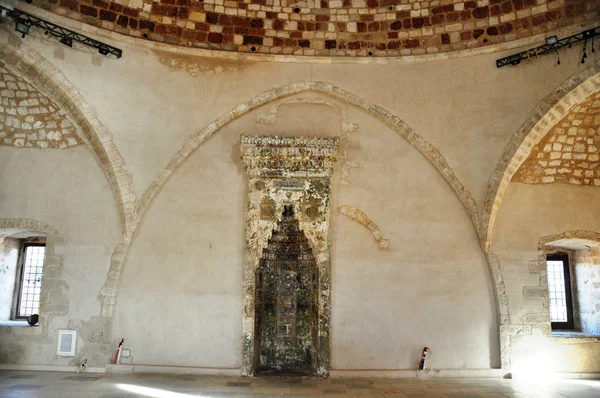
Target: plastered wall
{"points": [[530, 212], [181, 279], [66, 190], [384, 299]]}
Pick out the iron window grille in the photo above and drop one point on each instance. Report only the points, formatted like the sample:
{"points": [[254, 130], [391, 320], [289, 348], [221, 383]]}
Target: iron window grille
{"points": [[30, 286], [559, 291]]}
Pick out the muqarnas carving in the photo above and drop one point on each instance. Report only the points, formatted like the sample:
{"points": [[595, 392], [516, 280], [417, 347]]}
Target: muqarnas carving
{"points": [[288, 196], [346, 126], [286, 305]]}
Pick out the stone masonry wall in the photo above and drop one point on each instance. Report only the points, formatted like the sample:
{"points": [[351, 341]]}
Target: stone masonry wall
{"points": [[587, 285], [585, 281], [569, 152], [329, 27], [9, 254], [29, 119]]}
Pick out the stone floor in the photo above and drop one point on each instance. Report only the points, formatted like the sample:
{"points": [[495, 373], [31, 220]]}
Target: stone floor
{"points": [[66, 385]]}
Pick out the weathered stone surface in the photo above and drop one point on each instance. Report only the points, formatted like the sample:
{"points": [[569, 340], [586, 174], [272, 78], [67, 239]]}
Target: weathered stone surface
{"points": [[537, 318], [514, 330], [29, 119], [535, 293], [291, 173], [542, 330], [286, 306], [346, 145], [537, 266], [569, 152], [362, 218]]}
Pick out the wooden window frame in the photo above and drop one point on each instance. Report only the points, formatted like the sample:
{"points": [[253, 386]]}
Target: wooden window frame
{"points": [[570, 323]]}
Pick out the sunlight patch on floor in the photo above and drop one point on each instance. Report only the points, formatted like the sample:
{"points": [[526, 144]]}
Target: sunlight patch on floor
{"points": [[155, 392]]}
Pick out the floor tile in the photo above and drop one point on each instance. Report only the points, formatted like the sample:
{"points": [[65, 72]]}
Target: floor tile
{"points": [[65, 385]]}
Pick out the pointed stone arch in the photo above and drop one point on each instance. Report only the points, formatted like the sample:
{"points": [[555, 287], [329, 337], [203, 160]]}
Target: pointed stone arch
{"points": [[383, 115], [548, 112], [45, 77], [109, 291], [432, 154], [27, 224]]}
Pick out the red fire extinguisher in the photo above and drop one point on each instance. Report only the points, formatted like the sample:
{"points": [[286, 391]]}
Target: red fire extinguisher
{"points": [[117, 357], [423, 358]]}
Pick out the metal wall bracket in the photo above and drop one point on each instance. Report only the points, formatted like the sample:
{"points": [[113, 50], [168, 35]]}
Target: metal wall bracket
{"points": [[25, 21], [547, 48]]}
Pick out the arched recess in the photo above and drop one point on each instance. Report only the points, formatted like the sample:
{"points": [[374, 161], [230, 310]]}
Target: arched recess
{"points": [[111, 287], [52, 293], [25, 62], [548, 112]]}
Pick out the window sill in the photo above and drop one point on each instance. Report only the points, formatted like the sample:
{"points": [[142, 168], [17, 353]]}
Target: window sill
{"points": [[14, 323], [20, 328], [560, 334]]}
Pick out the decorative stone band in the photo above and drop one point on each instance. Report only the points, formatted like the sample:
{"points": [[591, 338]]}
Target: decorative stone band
{"points": [[289, 156], [362, 218], [26, 225], [580, 234], [351, 28], [296, 142], [289, 167], [287, 256], [288, 152]]}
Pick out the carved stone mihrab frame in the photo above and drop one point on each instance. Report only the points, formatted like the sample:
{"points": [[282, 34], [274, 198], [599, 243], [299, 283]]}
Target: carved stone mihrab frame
{"points": [[288, 171]]}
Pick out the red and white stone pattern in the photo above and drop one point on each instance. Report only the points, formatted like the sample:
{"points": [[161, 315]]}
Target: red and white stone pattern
{"points": [[330, 27]]}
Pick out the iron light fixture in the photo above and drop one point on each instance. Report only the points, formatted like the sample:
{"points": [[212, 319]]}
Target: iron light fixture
{"points": [[24, 21], [552, 45], [551, 40], [22, 27], [67, 41]]}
